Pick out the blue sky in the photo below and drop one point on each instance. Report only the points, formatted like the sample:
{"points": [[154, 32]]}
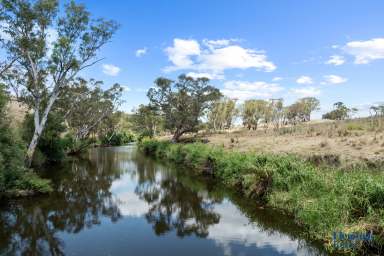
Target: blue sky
{"points": [[333, 50]]}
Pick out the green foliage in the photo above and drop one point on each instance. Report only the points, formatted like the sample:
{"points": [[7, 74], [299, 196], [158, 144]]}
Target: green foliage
{"points": [[322, 200], [221, 114], [88, 108], [75, 146], [46, 69], [117, 138], [340, 112], [182, 103], [253, 112], [146, 121], [301, 110], [51, 146], [13, 175]]}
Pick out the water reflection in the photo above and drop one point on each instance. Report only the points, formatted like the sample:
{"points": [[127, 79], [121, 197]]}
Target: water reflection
{"points": [[120, 187]]}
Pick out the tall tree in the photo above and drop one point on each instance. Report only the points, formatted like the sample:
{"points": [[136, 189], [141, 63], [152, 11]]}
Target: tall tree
{"points": [[221, 114], [50, 50], [183, 102], [309, 104], [340, 112], [276, 111], [85, 105], [301, 110], [253, 111], [146, 120]]}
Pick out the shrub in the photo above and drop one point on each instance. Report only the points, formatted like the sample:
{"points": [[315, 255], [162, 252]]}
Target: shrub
{"points": [[117, 138]]}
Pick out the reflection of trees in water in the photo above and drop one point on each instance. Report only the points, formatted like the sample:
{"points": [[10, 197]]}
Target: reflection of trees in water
{"points": [[173, 204], [81, 200], [176, 202]]}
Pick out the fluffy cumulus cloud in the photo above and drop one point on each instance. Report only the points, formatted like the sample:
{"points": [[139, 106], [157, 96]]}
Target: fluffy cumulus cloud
{"points": [[336, 60], [110, 70], [243, 90], [141, 52], [309, 91], [304, 80], [334, 79], [180, 54], [215, 56], [366, 51]]}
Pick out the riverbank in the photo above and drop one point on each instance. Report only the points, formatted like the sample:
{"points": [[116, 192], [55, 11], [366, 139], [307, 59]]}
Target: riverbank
{"points": [[322, 200], [25, 185]]}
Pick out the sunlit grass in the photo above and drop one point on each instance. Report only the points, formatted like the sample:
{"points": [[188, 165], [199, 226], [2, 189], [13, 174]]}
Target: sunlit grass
{"points": [[322, 200]]}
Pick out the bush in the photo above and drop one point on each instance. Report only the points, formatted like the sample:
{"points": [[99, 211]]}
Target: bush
{"points": [[117, 138]]}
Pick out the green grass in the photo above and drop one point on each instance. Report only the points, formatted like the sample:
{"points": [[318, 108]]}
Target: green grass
{"points": [[321, 200]]}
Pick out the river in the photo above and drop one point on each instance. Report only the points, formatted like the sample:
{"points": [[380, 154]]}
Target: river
{"points": [[116, 201]]}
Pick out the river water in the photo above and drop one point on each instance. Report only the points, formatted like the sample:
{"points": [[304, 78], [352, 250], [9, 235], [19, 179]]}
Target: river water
{"points": [[116, 201]]}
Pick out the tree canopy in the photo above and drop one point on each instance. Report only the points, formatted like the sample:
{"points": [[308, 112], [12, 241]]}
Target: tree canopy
{"points": [[183, 102], [50, 47]]}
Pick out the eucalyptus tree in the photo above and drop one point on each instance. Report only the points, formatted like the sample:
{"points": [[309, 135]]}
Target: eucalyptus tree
{"points": [[340, 112], [182, 102], [253, 111], [301, 110], [85, 106], [146, 120], [276, 112], [50, 47], [221, 114], [309, 104]]}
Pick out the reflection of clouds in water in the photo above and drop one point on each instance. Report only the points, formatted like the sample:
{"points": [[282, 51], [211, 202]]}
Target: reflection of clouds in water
{"points": [[131, 205], [234, 228], [123, 193], [125, 197]]}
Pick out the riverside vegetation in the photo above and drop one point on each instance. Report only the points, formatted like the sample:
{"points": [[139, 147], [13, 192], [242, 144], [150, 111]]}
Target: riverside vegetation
{"points": [[322, 200]]}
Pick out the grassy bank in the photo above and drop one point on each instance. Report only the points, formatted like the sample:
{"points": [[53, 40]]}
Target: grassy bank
{"points": [[321, 200]]}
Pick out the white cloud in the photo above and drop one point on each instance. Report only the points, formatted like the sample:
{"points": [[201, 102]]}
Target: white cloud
{"points": [[276, 79], [235, 226], [181, 52], [141, 52], [336, 60], [306, 91], [366, 51], [243, 90], [206, 75], [334, 79], [304, 80], [110, 70], [217, 43], [235, 56], [215, 56]]}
